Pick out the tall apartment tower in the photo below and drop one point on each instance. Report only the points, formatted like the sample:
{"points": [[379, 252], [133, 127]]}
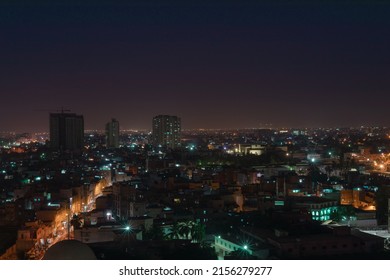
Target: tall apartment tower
{"points": [[112, 134], [66, 132], [166, 131]]}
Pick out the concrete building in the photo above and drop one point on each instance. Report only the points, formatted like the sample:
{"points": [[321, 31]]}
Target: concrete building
{"points": [[252, 149], [225, 245], [382, 204], [320, 208], [66, 132], [112, 134], [99, 233], [337, 241], [127, 201], [358, 198], [166, 131]]}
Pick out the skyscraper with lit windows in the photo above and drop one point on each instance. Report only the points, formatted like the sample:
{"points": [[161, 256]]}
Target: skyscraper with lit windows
{"points": [[166, 131]]}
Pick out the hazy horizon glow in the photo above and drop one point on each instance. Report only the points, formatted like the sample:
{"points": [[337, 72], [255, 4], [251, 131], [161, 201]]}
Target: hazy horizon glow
{"points": [[218, 64]]}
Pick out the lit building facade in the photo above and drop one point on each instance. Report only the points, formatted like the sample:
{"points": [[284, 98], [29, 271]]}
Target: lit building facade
{"points": [[166, 131], [112, 134], [66, 132]]}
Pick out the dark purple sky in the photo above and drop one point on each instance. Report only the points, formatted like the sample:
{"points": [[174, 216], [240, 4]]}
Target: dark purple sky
{"points": [[217, 64]]}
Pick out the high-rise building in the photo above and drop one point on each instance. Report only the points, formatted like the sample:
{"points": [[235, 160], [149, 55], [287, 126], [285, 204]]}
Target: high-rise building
{"points": [[112, 134], [66, 132], [166, 131]]}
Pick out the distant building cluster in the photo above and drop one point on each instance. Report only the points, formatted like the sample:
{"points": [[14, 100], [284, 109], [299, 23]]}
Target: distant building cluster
{"points": [[67, 132]]}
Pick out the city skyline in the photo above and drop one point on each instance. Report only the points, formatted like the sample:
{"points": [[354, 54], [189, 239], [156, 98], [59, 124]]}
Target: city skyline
{"points": [[216, 64]]}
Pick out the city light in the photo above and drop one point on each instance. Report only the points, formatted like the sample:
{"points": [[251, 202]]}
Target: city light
{"points": [[111, 185], [246, 131]]}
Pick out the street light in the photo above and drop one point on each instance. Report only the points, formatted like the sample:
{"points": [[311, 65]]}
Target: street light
{"points": [[127, 232]]}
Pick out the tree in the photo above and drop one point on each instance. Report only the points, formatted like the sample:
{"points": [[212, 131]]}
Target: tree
{"points": [[189, 230], [198, 232], [186, 229], [174, 233]]}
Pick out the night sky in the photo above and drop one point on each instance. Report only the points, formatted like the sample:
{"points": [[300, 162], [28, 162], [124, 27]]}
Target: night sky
{"points": [[216, 64]]}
